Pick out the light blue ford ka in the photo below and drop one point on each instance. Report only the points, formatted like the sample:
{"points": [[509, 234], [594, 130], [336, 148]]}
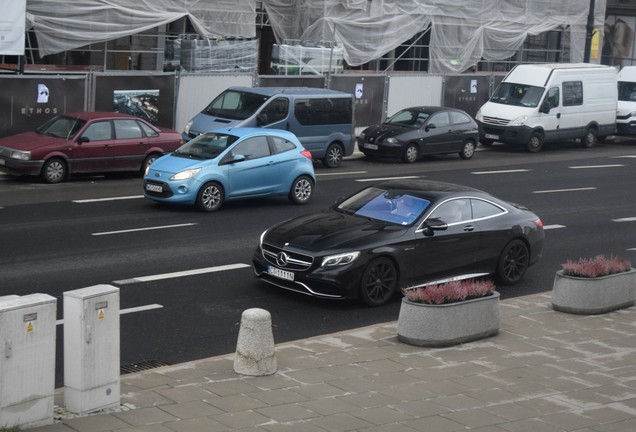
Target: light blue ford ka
{"points": [[227, 164]]}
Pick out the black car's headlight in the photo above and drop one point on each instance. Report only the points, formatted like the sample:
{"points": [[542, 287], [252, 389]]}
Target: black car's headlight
{"points": [[340, 259], [391, 140], [260, 240]]}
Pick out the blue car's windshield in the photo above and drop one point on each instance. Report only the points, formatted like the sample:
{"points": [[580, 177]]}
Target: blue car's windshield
{"points": [[205, 146], [517, 94], [388, 206], [235, 105]]}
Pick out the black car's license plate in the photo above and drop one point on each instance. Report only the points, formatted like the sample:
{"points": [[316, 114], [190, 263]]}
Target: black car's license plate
{"points": [[281, 274]]}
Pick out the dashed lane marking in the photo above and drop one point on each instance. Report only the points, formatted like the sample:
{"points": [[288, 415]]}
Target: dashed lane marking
{"points": [[555, 226], [143, 229], [84, 201], [127, 311], [597, 166], [387, 178], [181, 274], [564, 190], [500, 171]]}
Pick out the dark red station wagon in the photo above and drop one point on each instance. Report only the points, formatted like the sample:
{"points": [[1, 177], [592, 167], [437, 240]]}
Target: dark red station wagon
{"points": [[85, 142]]}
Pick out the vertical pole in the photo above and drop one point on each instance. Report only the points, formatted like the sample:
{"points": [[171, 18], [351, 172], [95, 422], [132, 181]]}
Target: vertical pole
{"points": [[589, 31]]}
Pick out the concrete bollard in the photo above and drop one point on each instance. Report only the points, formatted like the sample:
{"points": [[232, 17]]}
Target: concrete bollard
{"points": [[255, 354]]}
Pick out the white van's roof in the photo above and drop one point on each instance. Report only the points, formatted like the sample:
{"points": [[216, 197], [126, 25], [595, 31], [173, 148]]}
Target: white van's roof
{"points": [[537, 74]]}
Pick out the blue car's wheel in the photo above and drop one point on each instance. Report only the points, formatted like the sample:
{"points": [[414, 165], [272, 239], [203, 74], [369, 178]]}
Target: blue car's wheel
{"points": [[210, 197], [301, 190]]}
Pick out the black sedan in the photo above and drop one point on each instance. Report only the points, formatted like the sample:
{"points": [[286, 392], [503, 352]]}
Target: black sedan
{"points": [[398, 234], [424, 130]]}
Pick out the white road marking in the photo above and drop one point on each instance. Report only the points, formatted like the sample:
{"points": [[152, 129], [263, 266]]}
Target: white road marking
{"points": [[627, 219], [549, 227], [564, 190], [84, 201], [500, 172], [596, 166], [624, 156], [127, 311], [143, 229], [181, 274], [341, 173], [387, 178]]}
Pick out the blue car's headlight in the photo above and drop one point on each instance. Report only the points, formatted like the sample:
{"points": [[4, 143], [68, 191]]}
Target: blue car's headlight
{"points": [[184, 175], [340, 259]]}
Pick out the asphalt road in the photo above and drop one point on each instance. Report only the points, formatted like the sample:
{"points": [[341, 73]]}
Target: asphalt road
{"points": [[185, 276]]}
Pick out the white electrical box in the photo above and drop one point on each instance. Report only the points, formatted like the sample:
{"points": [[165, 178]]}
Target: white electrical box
{"points": [[91, 349], [27, 360]]}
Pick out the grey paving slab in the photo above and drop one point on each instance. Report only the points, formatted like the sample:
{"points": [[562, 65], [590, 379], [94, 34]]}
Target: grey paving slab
{"points": [[544, 372]]}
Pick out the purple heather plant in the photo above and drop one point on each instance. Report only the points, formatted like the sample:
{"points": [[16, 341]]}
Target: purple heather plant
{"points": [[600, 265], [449, 292]]}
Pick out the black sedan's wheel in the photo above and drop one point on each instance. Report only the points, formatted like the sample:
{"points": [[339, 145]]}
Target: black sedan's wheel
{"points": [[301, 190], [468, 150], [210, 197], [513, 263], [54, 170], [379, 282], [535, 143], [411, 153], [333, 156]]}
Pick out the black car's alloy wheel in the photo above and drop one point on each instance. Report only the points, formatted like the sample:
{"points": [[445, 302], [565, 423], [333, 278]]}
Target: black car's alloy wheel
{"points": [[411, 153], [513, 263], [379, 282]]}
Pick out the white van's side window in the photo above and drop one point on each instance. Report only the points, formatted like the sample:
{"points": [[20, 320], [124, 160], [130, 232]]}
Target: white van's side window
{"points": [[553, 97], [572, 93]]}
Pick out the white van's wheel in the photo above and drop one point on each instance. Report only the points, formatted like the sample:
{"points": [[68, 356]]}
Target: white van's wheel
{"points": [[333, 156], [535, 143], [589, 139]]}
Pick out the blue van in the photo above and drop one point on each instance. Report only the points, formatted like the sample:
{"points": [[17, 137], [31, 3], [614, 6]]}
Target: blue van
{"points": [[322, 119]]}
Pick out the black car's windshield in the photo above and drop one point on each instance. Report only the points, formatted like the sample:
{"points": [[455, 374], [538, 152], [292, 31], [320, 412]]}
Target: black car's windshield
{"points": [[408, 117], [205, 146], [61, 127], [235, 105], [517, 94], [396, 207]]}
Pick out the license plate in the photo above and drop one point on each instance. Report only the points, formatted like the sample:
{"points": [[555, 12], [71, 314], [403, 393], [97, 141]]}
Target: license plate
{"points": [[282, 274], [491, 136], [154, 188], [370, 146]]}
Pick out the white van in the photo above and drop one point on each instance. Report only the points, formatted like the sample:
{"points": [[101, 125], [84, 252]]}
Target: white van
{"points": [[540, 103], [626, 115]]}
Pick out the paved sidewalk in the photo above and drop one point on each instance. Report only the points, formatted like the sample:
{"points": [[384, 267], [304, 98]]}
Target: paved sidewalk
{"points": [[544, 372]]}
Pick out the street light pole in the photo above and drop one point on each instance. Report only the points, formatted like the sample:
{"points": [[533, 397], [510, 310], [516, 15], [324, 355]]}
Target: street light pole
{"points": [[589, 31]]}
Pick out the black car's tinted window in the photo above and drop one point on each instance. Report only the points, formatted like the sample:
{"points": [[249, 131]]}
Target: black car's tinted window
{"points": [[453, 211], [484, 209], [98, 131], [459, 117], [439, 119], [282, 145]]}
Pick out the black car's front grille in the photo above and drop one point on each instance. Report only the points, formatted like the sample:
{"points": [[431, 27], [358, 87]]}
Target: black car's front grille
{"points": [[166, 191], [285, 259]]}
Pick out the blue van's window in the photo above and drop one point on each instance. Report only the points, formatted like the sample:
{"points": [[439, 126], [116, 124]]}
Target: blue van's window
{"points": [[235, 105], [319, 111], [276, 110]]}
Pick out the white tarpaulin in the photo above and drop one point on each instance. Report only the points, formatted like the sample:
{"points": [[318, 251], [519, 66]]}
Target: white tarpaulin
{"points": [[462, 31], [12, 26], [63, 25]]}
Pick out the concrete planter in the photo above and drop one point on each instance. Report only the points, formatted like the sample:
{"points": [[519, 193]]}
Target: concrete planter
{"points": [[600, 295], [448, 324]]}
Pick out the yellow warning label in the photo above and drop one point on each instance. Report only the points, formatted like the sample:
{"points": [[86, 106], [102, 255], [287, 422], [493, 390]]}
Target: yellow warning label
{"points": [[101, 314], [30, 327]]}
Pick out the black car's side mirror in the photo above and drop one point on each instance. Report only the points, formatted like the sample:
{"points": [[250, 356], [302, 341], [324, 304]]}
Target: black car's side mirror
{"points": [[430, 126], [545, 107], [431, 225], [83, 139]]}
